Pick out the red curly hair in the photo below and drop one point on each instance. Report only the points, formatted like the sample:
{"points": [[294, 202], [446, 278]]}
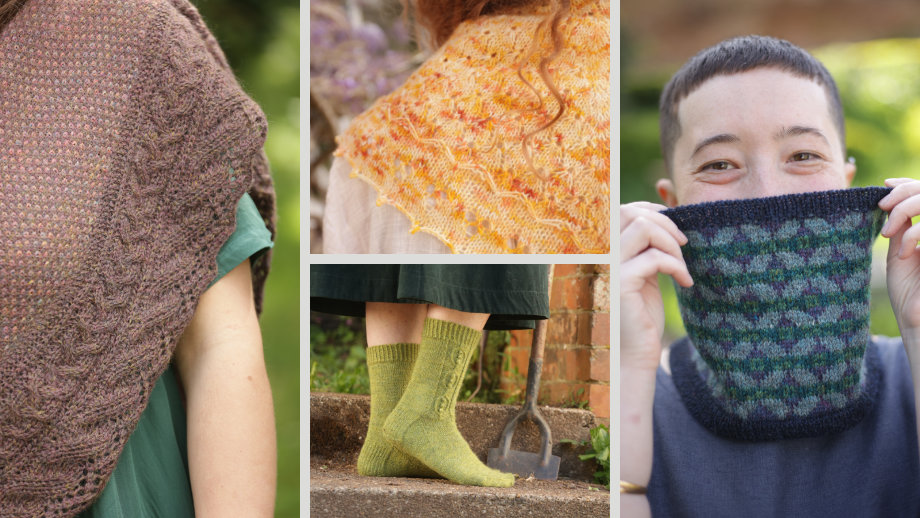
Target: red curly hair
{"points": [[8, 9]]}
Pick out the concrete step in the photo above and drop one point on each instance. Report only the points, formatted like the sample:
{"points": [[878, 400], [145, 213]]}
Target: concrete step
{"points": [[338, 423], [337, 491]]}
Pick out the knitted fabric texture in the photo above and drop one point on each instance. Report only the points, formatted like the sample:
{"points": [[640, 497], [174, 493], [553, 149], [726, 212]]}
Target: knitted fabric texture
{"points": [[778, 316], [125, 145], [446, 148], [389, 367], [423, 425]]}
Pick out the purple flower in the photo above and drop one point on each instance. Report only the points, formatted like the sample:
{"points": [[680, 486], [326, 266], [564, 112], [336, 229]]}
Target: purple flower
{"points": [[351, 66]]}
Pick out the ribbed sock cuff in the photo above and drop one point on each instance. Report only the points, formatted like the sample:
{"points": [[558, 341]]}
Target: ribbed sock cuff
{"points": [[389, 353], [449, 331]]}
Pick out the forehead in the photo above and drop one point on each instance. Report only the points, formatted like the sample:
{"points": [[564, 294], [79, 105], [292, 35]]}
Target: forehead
{"points": [[753, 102]]}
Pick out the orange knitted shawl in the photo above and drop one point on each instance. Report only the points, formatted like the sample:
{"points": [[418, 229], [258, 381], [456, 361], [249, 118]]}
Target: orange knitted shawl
{"points": [[448, 147]]}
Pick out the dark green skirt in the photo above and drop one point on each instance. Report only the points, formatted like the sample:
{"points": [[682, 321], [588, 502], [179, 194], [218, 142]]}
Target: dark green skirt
{"points": [[514, 295]]}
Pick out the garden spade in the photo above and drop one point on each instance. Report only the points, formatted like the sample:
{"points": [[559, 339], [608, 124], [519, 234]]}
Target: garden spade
{"points": [[543, 465]]}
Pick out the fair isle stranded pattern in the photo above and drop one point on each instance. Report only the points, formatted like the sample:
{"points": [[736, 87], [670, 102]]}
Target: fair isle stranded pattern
{"points": [[447, 148], [120, 122], [778, 316]]}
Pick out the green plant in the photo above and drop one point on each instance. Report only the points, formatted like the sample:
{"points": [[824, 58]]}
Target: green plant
{"points": [[599, 450], [338, 359], [576, 400], [515, 396], [341, 370], [491, 370]]}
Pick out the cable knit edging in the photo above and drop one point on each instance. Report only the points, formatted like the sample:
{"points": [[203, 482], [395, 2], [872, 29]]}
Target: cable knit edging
{"points": [[87, 374], [261, 188], [707, 410], [775, 209]]}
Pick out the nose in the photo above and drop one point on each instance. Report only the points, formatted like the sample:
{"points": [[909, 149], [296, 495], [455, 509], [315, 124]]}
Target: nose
{"points": [[766, 179]]}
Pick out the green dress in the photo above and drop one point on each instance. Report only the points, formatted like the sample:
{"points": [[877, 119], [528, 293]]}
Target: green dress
{"points": [[151, 478], [514, 295]]}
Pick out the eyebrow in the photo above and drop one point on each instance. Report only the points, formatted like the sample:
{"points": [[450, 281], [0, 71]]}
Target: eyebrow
{"points": [[795, 131], [786, 132], [722, 138]]}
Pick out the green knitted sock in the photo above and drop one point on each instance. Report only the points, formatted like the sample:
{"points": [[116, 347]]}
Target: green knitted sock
{"points": [[389, 367], [423, 424]]}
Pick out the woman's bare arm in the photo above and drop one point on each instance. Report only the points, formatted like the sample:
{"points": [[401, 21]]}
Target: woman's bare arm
{"points": [[231, 426]]}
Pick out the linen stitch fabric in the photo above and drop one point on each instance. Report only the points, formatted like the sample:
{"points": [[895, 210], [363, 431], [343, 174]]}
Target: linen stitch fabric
{"points": [[446, 148], [119, 123], [778, 315]]}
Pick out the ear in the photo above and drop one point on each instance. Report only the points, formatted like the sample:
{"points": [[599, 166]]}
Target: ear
{"points": [[665, 188], [849, 171]]}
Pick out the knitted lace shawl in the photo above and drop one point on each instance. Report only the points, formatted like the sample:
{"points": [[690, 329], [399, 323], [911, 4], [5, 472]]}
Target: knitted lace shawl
{"points": [[447, 148], [125, 144]]}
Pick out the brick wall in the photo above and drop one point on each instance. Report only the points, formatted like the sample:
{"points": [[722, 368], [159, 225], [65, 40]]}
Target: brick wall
{"points": [[659, 32], [576, 362]]}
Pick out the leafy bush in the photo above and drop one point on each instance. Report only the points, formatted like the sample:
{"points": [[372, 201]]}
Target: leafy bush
{"points": [[599, 450]]}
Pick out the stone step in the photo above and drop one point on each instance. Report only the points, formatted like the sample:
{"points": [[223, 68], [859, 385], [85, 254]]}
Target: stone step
{"points": [[337, 426], [337, 491], [338, 423]]}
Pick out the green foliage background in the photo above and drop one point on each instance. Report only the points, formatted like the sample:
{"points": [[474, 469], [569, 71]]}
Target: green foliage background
{"points": [[338, 361], [261, 39], [879, 84]]}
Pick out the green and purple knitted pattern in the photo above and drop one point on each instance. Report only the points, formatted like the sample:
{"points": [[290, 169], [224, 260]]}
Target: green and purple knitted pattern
{"points": [[778, 316]]}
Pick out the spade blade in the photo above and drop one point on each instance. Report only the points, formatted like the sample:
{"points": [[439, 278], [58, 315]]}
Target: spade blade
{"points": [[524, 464]]}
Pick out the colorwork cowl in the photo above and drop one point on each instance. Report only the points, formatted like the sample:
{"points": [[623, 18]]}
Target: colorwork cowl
{"points": [[456, 148], [778, 316], [125, 145]]}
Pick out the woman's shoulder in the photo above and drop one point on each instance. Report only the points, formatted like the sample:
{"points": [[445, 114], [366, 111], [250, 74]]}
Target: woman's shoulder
{"points": [[136, 19], [129, 10], [891, 353], [896, 375], [113, 12]]}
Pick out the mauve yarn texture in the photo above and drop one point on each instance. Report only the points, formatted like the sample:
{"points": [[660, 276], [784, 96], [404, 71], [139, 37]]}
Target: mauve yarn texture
{"points": [[125, 145], [778, 316]]}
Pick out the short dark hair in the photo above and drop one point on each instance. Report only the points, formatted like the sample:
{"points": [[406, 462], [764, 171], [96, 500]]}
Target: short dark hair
{"points": [[734, 56]]}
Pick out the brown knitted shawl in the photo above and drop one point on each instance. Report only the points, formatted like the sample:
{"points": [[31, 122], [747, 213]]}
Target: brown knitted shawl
{"points": [[125, 144]]}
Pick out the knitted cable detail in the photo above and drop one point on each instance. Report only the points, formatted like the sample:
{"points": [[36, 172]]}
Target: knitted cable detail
{"points": [[118, 126], [423, 424], [447, 148], [778, 316]]}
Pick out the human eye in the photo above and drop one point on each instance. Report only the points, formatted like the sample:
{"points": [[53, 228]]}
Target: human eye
{"points": [[805, 156], [716, 166]]}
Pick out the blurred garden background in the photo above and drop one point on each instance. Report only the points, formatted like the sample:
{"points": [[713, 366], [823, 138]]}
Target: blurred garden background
{"points": [[261, 39], [870, 47], [359, 51]]}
